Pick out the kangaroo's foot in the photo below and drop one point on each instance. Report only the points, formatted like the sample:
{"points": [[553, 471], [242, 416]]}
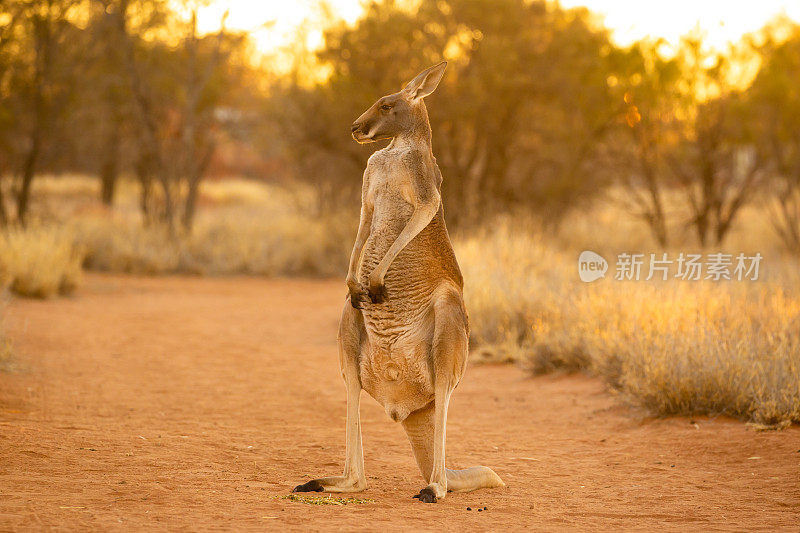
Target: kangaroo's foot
{"points": [[332, 484], [431, 493]]}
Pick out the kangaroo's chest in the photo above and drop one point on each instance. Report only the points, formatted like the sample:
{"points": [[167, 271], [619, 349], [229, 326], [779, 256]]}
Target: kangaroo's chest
{"points": [[389, 193], [390, 196]]}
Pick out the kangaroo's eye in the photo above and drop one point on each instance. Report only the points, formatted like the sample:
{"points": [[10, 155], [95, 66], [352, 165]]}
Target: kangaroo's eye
{"points": [[386, 107]]}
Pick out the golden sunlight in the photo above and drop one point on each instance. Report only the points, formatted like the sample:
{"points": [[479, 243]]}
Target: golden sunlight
{"points": [[721, 22], [276, 24]]}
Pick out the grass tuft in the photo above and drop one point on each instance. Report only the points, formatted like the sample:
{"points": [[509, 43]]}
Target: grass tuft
{"points": [[39, 261]]}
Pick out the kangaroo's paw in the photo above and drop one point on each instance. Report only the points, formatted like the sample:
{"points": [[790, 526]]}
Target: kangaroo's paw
{"points": [[332, 484], [377, 293], [359, 297], [431, 493]]}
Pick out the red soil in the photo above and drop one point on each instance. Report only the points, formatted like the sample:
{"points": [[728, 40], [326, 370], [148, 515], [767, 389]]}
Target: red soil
{"points": [[193, 403]]}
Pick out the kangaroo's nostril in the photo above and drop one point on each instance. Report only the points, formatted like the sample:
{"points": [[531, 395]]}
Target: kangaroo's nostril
{"points": [[355, 127]]}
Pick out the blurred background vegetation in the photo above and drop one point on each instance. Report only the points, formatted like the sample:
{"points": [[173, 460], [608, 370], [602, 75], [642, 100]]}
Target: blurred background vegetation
{"points": [[540, 111], [131, 141]]}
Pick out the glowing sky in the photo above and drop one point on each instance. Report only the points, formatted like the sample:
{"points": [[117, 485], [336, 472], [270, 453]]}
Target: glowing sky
{"points": [[274, 22], [722, 21]]}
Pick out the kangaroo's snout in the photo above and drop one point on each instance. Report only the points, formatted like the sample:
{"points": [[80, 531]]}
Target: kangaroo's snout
{"points": [[360, 130]]}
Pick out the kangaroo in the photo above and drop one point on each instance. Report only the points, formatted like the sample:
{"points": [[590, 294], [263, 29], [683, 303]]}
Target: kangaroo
{"points": [[403, 335]]}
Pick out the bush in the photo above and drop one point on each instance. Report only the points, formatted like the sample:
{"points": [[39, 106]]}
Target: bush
{"points": [[674, 347], [39, 261]]}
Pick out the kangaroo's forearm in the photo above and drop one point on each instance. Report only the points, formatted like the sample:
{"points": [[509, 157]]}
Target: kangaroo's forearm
{"points": [[358, 247], [421, 217], [355, 257]]}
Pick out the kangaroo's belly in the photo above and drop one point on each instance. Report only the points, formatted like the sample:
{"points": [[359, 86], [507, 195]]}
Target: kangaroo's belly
{"points": [[395, 363], [398, 378], [410, 281]]}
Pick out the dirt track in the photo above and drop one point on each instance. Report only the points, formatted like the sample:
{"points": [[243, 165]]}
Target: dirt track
{"points": [[184, 403]]}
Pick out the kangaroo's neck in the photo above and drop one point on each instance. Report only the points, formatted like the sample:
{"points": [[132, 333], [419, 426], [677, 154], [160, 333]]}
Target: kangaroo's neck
{"points": [[419, 136]]}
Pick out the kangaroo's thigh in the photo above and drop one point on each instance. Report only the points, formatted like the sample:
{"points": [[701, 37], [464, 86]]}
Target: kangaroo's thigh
{"points": [[352, 336], [450, 342], [449, 347]]}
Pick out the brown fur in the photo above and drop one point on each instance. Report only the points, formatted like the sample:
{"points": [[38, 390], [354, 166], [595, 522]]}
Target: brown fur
{"points": [[404, 330]]}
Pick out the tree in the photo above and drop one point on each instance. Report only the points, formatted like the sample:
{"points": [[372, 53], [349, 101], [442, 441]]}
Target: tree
{"points": [[37, 82], [107, 111], [774, 124], [685, 119], [510, 130], [714, 162], [177, 92], [645, 82]]}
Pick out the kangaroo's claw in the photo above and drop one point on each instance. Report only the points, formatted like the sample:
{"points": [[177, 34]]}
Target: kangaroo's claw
{"points": [[426, 495], [312, 486]]}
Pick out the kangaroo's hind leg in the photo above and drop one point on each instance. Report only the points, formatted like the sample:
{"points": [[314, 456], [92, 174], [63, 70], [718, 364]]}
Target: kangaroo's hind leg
{"points": [[351, 334], [426, 428]]}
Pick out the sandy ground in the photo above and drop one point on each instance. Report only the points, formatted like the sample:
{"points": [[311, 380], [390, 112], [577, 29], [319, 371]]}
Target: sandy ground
{"points": [[181, 403]]}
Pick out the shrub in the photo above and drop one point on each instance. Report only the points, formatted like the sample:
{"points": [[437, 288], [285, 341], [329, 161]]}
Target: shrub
{"points": [[674, 347], [39, 261]]}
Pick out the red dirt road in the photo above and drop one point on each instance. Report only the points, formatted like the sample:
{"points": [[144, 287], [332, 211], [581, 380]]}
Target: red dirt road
{"points": [[180, 403]]}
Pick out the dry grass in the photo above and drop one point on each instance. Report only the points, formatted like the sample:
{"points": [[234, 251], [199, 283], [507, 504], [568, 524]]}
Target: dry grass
{"points": [[39, 261], [239, 241], [675, 347], [243, 227]]}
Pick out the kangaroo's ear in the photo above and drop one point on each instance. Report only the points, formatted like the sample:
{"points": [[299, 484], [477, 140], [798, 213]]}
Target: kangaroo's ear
{"points": [[425, 82]]}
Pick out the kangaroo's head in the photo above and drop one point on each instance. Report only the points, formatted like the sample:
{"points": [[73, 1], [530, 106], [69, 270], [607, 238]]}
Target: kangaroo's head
{"points": [[399, 113]]}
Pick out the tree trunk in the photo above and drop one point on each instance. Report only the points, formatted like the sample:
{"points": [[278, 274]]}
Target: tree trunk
{"points": [[658, 224], [110, 169], [28, 171], [198, 170], [143, 173], [157, 159], [42, 43], [3, 213], [654, 208]]}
